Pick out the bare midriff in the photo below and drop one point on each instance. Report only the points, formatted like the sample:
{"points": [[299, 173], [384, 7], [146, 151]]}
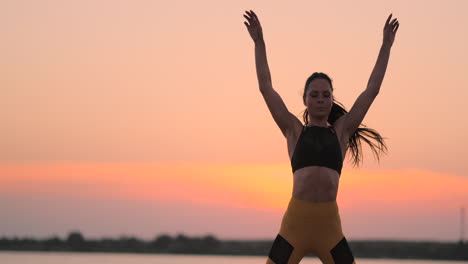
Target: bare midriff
{"points": [[316, 184]]}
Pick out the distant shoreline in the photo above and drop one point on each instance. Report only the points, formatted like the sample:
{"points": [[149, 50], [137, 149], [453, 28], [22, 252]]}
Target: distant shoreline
{"points": [[210, 245]]}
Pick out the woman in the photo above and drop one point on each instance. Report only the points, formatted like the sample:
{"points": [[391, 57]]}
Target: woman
{"points": [[311, 223]]}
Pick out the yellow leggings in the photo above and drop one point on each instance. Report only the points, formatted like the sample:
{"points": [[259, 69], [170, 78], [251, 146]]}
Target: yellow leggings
{"points": [[310, 227]]}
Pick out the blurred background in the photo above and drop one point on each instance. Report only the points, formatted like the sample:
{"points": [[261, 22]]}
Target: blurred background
{"points": [[144, 117]]}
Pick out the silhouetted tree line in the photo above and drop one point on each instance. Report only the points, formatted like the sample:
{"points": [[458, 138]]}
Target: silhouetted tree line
{"points": [[182, 244]]}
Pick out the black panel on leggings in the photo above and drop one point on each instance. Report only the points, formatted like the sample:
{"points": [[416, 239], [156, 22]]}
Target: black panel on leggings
{"points": [[341, 253], [281, 250]]}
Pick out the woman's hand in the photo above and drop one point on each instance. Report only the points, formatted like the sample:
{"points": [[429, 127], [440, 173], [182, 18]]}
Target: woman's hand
{"points": [[390, 30], [254, 27]]}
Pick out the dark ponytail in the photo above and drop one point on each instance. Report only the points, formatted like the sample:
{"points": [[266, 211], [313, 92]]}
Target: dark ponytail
{"points": [[362, 133]]}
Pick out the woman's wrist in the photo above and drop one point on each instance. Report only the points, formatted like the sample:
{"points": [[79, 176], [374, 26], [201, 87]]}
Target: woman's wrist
{"points": [[386, 45], [259, 41]]}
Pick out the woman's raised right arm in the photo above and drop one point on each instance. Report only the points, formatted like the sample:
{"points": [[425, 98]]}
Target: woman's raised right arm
{"points": [[283, 118], [261, 63]]}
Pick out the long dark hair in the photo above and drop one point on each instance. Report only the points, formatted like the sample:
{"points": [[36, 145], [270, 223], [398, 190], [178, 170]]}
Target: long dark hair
{"points": [[362, 133]]}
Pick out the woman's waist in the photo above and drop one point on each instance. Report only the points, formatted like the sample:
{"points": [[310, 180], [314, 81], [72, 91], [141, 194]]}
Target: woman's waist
{"points": [[315, 183], [311, 209], [305, 218]]}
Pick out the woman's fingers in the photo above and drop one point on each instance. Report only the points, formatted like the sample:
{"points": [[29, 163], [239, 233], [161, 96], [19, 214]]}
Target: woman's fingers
{"points": [[255, 17], [253, 14], [391, 24], [249, 18], [396, 27], [388, 19], [250, 14], [252, 20]]}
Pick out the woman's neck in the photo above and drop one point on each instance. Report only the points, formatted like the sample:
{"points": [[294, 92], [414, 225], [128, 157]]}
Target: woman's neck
{"points": [[320, 123]]}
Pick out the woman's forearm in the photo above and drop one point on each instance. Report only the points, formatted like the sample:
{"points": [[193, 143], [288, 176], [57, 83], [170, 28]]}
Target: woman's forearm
{"points": [[377, 76], [261, 63]]}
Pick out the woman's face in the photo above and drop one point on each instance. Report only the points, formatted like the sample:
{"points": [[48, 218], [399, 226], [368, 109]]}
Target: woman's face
{"points": [[319, 98]]}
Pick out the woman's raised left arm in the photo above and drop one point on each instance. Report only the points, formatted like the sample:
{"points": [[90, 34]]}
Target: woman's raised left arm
{"points": [[354, 117], [380, 67]]}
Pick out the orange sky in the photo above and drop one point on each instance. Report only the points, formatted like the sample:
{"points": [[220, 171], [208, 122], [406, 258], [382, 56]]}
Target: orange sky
{"points": [[197, 198], [124, 97]]}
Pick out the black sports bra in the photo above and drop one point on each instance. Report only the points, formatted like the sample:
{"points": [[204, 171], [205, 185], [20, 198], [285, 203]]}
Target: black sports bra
{"points": [[317, 146]]}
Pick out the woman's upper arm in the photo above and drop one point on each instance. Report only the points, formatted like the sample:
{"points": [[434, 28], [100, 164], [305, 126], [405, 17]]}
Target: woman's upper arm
{"points": [[285, 120], [359, 110]]}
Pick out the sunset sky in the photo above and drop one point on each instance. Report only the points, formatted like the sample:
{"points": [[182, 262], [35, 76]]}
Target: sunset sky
{"points": [[144, 117]]}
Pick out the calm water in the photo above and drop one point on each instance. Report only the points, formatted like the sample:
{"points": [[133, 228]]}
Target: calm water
{"points": [[15, 257]]}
